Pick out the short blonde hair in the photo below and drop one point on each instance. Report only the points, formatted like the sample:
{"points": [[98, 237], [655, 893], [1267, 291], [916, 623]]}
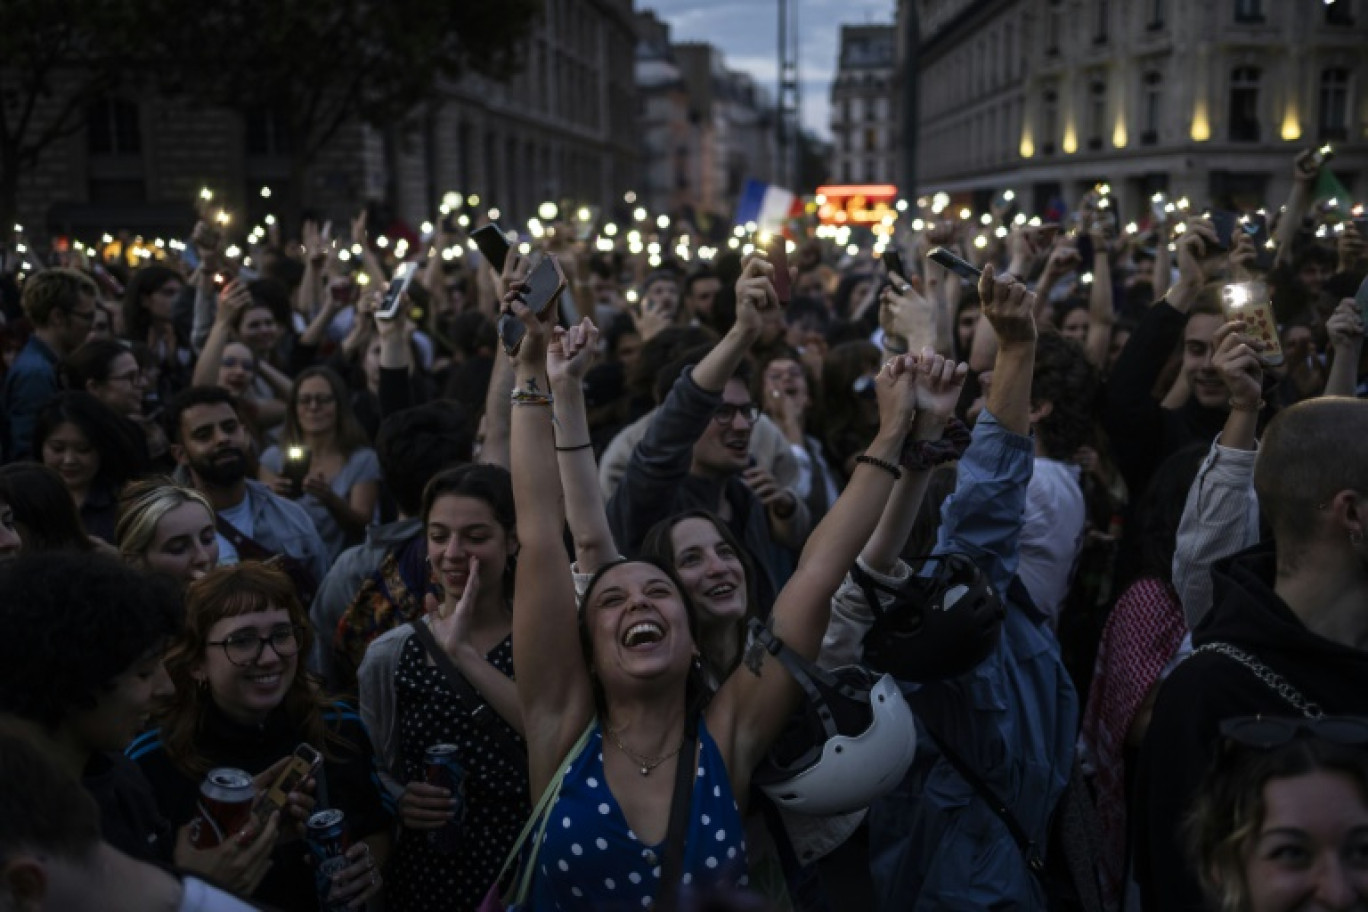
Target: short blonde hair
{"points": [[142, 506]]}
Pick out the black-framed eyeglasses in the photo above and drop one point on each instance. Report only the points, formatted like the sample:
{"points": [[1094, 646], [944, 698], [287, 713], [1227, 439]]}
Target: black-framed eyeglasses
{"points": [[245, 648], [727, 412], [322, 400], [1265, 733]]}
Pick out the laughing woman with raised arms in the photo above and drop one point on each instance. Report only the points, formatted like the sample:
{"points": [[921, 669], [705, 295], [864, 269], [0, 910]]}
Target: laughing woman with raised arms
{"points": [[620, 715]]}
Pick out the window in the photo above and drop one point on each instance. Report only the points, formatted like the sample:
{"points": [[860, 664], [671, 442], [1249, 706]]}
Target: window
{"points": [[1097, 113], [1249, 10], [1334, 104], [1151, 98], [1244, 104], [1053, 23], [871, 139], [1339, 12], [1050, 110], [1100, 26], [267, 132], [1156, 19], [112, 128]]}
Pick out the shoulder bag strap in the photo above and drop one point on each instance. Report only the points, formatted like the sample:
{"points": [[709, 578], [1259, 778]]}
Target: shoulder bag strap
{"points": [[247, 548], [483, 714], [1270, 678], [681, 808], [1034, 860]]}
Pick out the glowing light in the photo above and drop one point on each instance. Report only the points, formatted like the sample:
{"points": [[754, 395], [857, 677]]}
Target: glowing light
{"points": [[610, 229], [524, 248], [425, 228], [965, 214], [493, 215], [232, 252], [583, 214], [663, 222], [1131, 228], [344, 256], [980, 242], [639, 214], [382, 242], [1000, 231], [985, 219], [918, 225], [206, 194], [1008, 195], [363, 279], [1070, 143], [265, 193], [270, 220], [901, 205], [852, 250], [547, 211], [223, 217], [653, 260], [472, 201], [463, 220], [534, 227], [452, 200], [733, 243], [1086, 278], [629, 197], [1291, 126], [1119, 136], [1027, 147], [1201, 127], [631, 295]]}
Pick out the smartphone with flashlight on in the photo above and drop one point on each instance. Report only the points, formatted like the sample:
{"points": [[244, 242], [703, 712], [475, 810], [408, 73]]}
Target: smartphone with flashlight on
{"points": [[295, 467], [394, 295], [542, 287], [959, 267], [1320, 156], [893, 265], [1251, 303]]}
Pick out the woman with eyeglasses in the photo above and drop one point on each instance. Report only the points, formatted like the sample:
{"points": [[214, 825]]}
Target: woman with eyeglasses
{"points": [[1281, 822], [93, 451], [243, 700], [108, 369], [341, 482]]}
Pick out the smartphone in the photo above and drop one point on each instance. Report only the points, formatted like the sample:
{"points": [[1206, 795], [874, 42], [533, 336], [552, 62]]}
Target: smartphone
{"points": [[1224, 223], [544, 285], [1361, 299], [778, 257], [953, 263], [1252, 303], [304, 762], [1158, 207], [1322, 155], [493, 245], [394, 296], [295, 467], [584, 227], [893, 265], [1256, 226]]}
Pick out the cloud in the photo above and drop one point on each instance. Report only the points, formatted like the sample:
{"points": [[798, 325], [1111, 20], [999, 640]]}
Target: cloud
{"points": [[748, 37]]}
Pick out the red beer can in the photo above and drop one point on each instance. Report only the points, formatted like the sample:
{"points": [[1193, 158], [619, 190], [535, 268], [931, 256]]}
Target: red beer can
{"points": [[224, 807]]}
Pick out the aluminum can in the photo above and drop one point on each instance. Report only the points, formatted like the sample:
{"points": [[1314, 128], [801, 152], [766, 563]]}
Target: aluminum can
{"points": [[326, 835], [443, 771], [224, 807]]}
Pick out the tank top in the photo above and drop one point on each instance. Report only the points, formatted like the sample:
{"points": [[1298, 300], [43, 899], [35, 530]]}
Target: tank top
{"points": [[591, 860]]}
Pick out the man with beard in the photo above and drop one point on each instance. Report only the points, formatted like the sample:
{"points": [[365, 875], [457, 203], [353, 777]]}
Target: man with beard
{"points": [[696, 451], [209, 443]]}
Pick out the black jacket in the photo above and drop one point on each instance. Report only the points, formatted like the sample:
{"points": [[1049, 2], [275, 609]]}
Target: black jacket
{"points": [[1209, 687], [129, 818]]}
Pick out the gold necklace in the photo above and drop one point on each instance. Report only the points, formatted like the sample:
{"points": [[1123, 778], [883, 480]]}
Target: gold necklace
{"points": [[645, 762]]}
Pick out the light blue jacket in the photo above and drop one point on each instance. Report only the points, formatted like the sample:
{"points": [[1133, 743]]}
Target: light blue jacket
{"points": [[934, 844]]}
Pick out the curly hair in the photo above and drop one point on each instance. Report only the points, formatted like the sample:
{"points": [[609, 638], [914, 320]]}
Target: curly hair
{"points": [[55, 289], [1229, 809], [1064, 378], [227, 592], [77, 622]]}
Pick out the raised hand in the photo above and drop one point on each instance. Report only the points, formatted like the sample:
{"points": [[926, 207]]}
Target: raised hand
{"points": [[1345, 325], [907, 312], [896, 393], [939, 381], [755, 293], [1197, 243], [233, 299], [571, 352], [1236, 360], [451, 620], [1009, 307]]}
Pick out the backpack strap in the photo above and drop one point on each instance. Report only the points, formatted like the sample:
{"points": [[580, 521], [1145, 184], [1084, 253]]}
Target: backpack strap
{"points": [[482, 713]]}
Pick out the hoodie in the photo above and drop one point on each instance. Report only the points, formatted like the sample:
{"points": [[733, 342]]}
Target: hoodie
{"points": [[1210, 687]]}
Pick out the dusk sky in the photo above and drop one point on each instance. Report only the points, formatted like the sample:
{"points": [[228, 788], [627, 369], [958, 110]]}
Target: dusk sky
{"points": [[747, 34]]}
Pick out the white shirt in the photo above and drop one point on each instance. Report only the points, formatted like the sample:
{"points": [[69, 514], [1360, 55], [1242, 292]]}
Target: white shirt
{"points": [[240, 518], [1051, 534]]}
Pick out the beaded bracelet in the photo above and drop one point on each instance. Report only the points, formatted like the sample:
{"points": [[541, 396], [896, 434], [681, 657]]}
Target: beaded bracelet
{"points": [[888, 467]]}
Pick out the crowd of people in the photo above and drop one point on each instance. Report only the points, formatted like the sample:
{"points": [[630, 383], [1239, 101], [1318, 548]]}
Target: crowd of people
{"points": [[1036, 581]]}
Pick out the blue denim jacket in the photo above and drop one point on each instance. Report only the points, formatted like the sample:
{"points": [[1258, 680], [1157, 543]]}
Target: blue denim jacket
{"points": [[30, 383], [934, 843]]}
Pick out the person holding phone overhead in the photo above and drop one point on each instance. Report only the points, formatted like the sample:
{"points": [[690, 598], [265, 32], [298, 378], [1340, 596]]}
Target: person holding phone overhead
{"points": [[243, 700], [620, 727]]}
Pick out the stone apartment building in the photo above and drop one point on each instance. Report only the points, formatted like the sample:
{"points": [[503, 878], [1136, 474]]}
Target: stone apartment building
{"points": [[564, 127], [864, 117], [1209, 100]]}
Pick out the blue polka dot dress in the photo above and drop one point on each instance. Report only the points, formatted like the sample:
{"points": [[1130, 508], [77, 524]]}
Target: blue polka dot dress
{"points": [[591, 860]]}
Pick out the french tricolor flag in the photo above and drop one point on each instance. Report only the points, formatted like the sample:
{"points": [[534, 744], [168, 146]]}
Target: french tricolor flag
{"points": [[764, 204]]}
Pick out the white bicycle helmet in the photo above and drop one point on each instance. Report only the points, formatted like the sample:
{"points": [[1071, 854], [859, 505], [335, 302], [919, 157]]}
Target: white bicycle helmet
{"points": [[850, 743]]}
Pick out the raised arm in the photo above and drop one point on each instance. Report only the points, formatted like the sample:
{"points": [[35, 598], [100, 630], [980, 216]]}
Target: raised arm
{"points": [[232, 301], [568, 359], [495, 449], [1101, 308], [1304, 174], [554, 689], [751, 709], [1346, 340]]}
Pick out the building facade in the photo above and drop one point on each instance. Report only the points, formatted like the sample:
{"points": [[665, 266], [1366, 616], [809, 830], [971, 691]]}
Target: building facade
{"points": [[563, 127], [705, 129], [1206, 100], [864, 116]]}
